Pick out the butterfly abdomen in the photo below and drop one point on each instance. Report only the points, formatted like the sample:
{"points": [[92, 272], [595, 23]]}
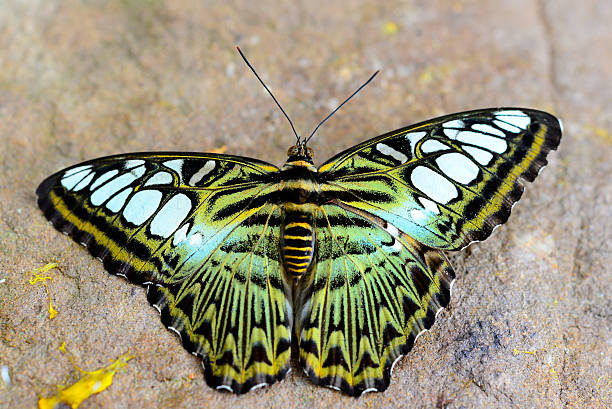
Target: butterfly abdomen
{"points": [[297, 242]]}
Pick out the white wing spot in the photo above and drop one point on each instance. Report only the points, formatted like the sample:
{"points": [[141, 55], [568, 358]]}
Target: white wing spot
{"points": [[432, 145], [76, 170], [489, 142], [107, 190], [160, 178], [205, 170], [451, 133], [132, 163], [429, 205], [481, 156], [414, 138], [389, 151], [137, 172], [84, 183], [175, 164], [458, 167], [488, 129], [117, 202], [180, 235], [433, 185], [103, 178], [506, 126], [456, 123], [142, 206], [171, 215], [71, 178], [448, 128], [516, 118]]}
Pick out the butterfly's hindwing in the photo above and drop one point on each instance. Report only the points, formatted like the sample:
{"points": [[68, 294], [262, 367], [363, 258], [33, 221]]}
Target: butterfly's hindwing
{"points": [[235, 310], [372, 293], [449, 181], [200, 233]]}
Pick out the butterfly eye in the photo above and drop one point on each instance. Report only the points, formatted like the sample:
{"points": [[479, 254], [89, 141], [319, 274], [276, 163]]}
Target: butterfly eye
{"points": [[309, 152], [293, 151]]}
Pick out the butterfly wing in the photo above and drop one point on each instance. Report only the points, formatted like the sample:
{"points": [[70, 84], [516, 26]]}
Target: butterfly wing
{"points": [[372, 292], [200, 233], [389, 202], [449, 181]]}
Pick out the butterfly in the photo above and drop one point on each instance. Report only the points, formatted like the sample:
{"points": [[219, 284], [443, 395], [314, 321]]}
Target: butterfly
{"points": [[345, 261]]}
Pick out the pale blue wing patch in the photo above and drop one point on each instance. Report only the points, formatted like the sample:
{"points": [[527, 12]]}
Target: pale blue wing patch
{"points": [[141, 206]]}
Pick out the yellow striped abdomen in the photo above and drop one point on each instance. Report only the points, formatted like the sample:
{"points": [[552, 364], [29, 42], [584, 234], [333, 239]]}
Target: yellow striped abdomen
{"points": [[297, 241]]}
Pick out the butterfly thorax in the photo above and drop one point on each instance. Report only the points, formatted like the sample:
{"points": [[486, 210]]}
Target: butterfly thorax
{"points": [[299, 192]]}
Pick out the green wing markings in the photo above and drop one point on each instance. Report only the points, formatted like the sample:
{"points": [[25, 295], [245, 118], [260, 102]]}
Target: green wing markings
{"points": [[371, 294], [449, 181], [235, 310], [200, 233]]}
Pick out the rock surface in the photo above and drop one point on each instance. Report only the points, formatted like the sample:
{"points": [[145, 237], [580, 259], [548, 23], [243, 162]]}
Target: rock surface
{"points": [[531, 316]]}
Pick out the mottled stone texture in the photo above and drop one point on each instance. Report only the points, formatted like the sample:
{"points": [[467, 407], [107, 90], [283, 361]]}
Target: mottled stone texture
{"points": [[529, 323]]}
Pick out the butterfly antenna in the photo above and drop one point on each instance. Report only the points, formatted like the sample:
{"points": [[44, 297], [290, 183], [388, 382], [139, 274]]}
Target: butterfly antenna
{"points": [[269, 92], [340, 106]]}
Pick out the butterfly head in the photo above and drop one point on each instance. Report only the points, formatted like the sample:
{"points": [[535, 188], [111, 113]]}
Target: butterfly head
{"points": [[300, 152]]}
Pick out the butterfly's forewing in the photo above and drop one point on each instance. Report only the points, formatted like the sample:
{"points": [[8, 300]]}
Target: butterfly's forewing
{"points": [[199, 232], [449, 181], [372, 293]]}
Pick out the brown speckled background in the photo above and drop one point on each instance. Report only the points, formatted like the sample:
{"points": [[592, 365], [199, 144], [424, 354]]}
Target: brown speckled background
{"points": [[531, 316]]}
